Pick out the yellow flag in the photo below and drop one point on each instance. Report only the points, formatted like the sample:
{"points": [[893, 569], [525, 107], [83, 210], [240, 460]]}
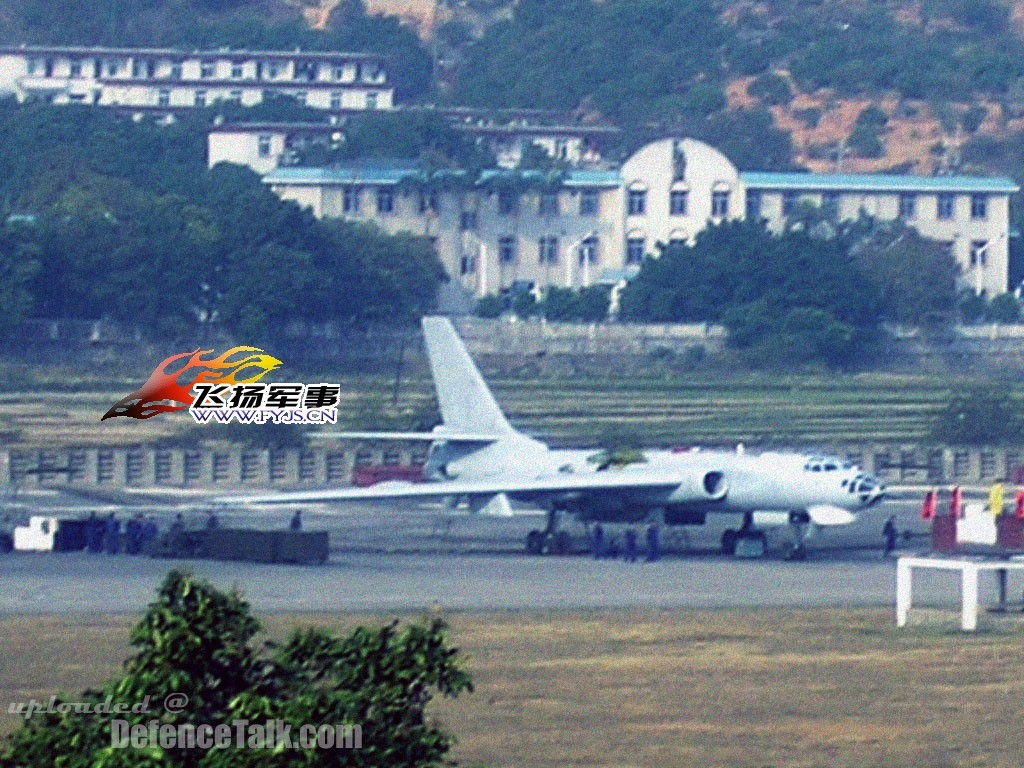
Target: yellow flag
{"points": [[995, 499]]}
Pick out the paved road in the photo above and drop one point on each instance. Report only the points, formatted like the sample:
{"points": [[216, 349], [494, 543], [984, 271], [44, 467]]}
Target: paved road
{"points": [[412, 558]]}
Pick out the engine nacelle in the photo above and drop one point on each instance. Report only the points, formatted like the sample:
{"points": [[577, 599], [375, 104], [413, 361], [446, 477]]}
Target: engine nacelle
{"points": [[709, 485]]}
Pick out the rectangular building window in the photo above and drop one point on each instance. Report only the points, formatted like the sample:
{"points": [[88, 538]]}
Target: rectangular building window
{"points": [[236, 71], [507, 203], [76, 69], [637, 202], [32, 67], [371, 101], [979, 252], [548, 205], [754, 201], [467, 220], [467, 265], [235, 96], [789, 199], [273, 70], [300, 97], [908, 206], [336, 100], [507, 250], [385, 201], [588, 250], [428, 202], [207, 70], [720, 203], [338, 72], [678, 202], [163, 98], [944, 206], [263, 146], [200, 98], [547, 250], [588, 202], [979, 206], [176, 73], [350, 200], [635, 247]]}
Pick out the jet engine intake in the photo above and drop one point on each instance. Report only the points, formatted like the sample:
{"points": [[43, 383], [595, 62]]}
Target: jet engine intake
{"points": [[710, 485]]}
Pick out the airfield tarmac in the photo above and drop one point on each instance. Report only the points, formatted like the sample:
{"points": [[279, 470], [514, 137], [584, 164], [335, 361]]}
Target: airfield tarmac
{"points": [[409, 558]]}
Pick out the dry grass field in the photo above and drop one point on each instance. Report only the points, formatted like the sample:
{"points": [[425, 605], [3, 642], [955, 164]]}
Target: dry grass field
{"points": [[650, 688]]}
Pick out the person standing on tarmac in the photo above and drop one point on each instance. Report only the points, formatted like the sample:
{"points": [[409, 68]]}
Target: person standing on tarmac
{"points": [[890, 534], [629, 555], [598, 541], [653, 545]]}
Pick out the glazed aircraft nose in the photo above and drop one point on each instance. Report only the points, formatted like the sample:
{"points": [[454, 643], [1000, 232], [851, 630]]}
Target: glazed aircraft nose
{"points": [[870, 490]]}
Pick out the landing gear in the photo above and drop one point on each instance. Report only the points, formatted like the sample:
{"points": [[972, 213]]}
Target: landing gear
{"points": [[549, 540], [729, 542], [751, 541], [535, 542], [802, 527]]}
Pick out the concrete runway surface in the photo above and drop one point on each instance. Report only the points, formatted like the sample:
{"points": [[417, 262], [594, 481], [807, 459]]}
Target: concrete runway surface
{"points": [[389, 558]]}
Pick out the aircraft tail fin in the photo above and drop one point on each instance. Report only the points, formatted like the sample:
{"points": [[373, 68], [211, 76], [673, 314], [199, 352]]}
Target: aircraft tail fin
{"points": [[466, 402]]}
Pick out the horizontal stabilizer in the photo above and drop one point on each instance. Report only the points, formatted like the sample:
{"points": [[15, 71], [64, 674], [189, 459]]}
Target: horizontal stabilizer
{"points": [[430, 437]]}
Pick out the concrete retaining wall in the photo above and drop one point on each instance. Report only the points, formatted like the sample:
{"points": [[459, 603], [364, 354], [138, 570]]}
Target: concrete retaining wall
{"points": [[333, 465]]}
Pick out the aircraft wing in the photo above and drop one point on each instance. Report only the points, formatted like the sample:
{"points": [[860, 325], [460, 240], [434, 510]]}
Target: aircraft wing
{"points": [[562, 483]]}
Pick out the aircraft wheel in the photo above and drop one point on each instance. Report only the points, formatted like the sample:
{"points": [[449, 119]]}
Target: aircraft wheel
{"points": [[729, 539], [797, 552], [535, 542], [562, 544]]}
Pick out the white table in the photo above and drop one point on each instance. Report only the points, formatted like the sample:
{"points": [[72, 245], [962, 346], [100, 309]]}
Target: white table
{"points": [[969, 568]]}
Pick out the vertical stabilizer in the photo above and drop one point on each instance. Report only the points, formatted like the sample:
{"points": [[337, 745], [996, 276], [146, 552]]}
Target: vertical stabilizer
{"points": [[466, 403]]}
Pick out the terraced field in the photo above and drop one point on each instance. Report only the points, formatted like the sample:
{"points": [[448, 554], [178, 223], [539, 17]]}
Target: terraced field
{"points": [[756, 409]]}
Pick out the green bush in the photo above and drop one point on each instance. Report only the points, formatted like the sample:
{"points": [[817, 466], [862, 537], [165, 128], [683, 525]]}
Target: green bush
{"points": [[198, 642], [490, 306]]}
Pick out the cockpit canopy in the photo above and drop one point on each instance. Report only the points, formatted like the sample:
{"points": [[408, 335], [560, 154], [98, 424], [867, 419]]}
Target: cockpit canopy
{"points": [[827, 464]]}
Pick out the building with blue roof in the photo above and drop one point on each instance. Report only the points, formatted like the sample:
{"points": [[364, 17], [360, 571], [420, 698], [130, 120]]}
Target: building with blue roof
{"points": [[585, 226]]}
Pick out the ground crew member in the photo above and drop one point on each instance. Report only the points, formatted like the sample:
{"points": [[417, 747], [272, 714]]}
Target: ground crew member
{"points": [[889, 531], [94, 530], [653, 545], [133, 535], [630, 550], [113, 535], [598, 541]]}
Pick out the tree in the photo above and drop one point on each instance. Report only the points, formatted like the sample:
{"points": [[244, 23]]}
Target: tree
{"points": [[916, 277], [980, 415], [197, 643], [1004, 308], [792, 297], [771, 89]]}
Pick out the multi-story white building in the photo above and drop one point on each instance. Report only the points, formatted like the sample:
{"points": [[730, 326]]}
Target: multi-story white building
{"points": [[165, 80], [266, 146], [588, 226]]}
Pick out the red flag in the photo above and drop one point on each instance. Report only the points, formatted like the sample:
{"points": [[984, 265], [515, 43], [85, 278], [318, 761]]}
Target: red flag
{"points": [[956, 503], [928, 508]]}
